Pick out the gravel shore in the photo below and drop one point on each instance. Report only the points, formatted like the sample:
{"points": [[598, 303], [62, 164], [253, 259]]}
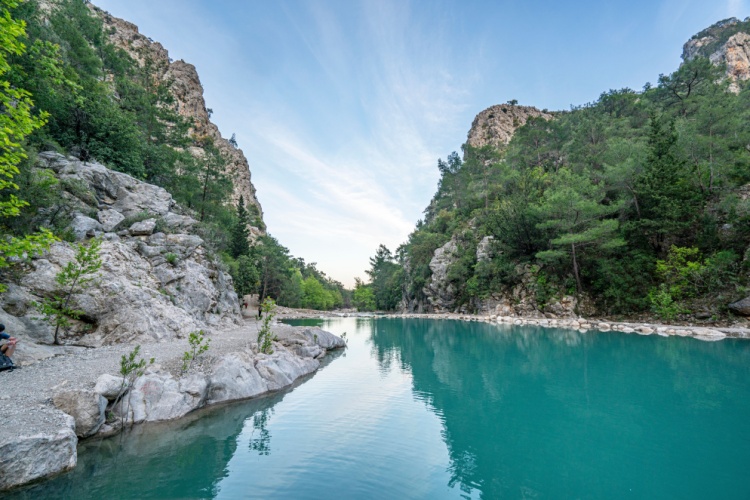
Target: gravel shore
{"points": [[26, 397]]}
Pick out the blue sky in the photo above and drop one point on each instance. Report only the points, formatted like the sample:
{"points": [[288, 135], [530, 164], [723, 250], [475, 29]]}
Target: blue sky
{"points": [[343, 107]]}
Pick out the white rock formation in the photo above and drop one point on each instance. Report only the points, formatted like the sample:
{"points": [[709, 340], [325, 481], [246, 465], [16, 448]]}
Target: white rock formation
{"points": [[151, 286], [33, 456]]}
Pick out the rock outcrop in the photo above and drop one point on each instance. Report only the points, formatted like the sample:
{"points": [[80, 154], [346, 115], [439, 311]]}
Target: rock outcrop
{"points": [[726, 42], [521, 300], [496, 125], [439, 291], [157, 280], [36, 455], [85, 406], [741, 307], [44, 443], [186, 88]]}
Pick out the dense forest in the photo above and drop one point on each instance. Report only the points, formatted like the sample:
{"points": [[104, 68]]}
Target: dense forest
{"points": [[638, 201], [64, 87]]}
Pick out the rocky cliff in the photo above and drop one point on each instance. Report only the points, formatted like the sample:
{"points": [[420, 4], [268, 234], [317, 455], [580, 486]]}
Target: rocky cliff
{"points": [[726, 42], [157, 280], [496, 125], [187, 91]]}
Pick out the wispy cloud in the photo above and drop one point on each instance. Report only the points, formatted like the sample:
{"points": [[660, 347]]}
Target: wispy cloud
{"points": [[361, 190]]}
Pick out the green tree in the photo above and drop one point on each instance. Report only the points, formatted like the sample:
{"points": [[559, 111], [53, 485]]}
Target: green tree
{"points": [[668, 202], [386, 279], [17, 121], [574, 210], [246, 276], [77, 274], [239, 244], [363, 298]]}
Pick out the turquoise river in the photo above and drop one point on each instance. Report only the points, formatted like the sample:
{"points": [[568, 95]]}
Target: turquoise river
{"points": [[446, 409]]}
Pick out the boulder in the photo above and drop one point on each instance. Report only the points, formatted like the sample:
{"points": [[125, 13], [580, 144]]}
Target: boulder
{"points": [[28, 458], [85, 227], [741, 307], [324, 339], [110, 386], [235, 378], [157, 396], [143, 228], [110, 219], [86, 407], [282, 368]]}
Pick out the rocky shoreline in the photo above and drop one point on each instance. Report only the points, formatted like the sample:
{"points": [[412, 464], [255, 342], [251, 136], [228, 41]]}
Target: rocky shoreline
{"points": [[582, 324], [49, 405]]}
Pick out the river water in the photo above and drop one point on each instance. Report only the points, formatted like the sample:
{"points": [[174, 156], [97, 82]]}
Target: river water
{"points": [[446, 409]]}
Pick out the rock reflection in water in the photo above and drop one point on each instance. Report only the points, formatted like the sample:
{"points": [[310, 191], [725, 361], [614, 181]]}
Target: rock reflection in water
{"points": [[198, 448]]}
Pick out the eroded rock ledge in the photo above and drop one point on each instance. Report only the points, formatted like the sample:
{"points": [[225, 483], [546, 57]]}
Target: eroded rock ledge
{"points": [[47, 407]]}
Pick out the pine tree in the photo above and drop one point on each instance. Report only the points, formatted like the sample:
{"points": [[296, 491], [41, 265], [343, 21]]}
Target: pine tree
{"points": [[239, 242]]}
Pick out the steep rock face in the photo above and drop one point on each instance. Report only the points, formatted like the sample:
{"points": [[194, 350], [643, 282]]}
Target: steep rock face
{"points": [[187, 91], [496, 125], [440, 293], [156, 282], [726, 42]]}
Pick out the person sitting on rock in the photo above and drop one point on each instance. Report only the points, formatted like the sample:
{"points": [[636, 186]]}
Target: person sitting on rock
{"points": [[10, 347]]}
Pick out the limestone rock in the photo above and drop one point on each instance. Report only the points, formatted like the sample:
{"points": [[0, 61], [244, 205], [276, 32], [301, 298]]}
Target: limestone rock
{"points": [[496, 125], [28, 458], [484, 249], [734, 53], [158, 396], [235, 378], [86, 407], [143, 228], [110, 219], [156, 299], [85, 227], [323, 339], [110, 386], [440, 293], [741, 307]]}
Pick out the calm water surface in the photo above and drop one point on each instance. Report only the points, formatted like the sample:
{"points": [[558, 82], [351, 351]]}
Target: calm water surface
{"points": [[445, 409]]}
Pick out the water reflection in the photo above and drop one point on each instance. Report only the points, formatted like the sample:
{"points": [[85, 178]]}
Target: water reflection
{"points": [[197, 448], [445, 409], [532, 412], [262, 443]]}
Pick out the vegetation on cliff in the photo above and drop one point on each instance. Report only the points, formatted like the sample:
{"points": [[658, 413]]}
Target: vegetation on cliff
{"points": [[638, 200], [100, 103]]}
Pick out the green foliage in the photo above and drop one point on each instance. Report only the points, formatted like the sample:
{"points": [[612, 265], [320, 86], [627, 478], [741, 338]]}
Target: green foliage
{"points": [[597, 197], [198, 345], [363, 297], [386, 277], [18, 120], [131, 369], [265, 335], [664, 304], [239, 242], [58, 310], [131, 366], [171, 258]]}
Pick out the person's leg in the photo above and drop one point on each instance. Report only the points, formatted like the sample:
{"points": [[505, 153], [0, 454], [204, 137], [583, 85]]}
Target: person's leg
{"points": [[8, 349]]}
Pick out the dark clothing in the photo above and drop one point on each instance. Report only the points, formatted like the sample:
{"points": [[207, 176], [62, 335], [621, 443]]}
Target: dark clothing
{"points": [[4, 336]]}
